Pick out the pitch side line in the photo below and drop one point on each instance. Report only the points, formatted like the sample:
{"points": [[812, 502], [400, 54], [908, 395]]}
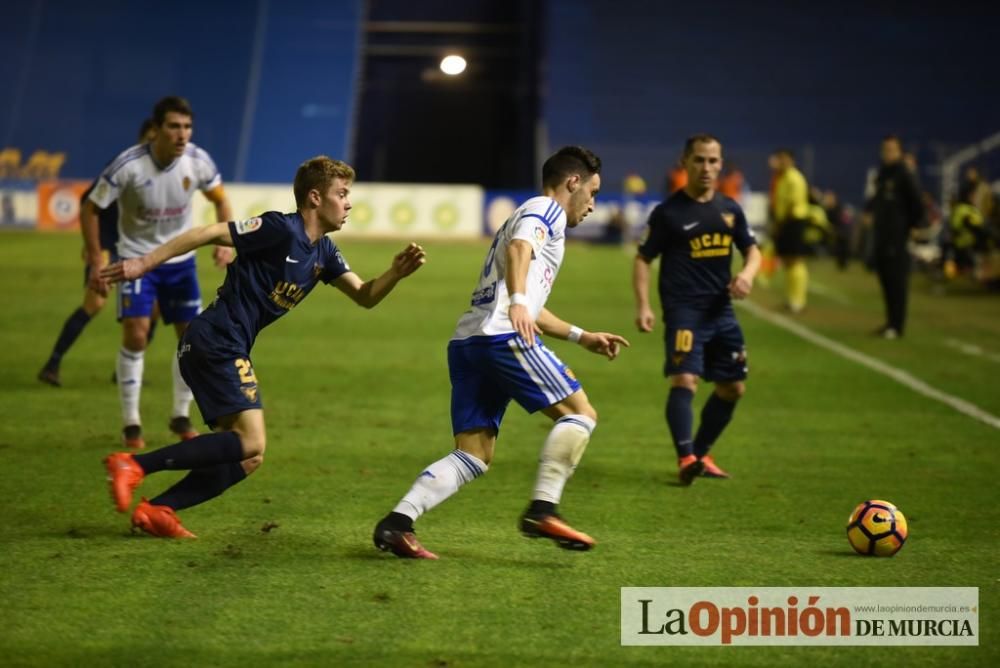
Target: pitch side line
{"points": [[898, 375]]}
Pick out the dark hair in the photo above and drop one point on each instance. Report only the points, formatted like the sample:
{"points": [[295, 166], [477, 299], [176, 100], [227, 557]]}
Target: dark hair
{"points": [[894, 138], [569, 161], [317, 174], [147, 125], [698, 139], [171, 103], [787, 152]]}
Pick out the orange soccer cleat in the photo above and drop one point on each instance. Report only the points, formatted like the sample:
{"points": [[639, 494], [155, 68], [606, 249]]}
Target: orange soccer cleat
{"points": [[554, 528], [689, 467], [132, 437], [711, 469], [124, 475], [159, 521], [181, 425]]}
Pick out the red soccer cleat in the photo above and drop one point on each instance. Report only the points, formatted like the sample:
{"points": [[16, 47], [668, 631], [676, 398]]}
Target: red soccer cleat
{"points": [[124, 475], [711, 470], [159, 521], [689, 467], [403, 544]]}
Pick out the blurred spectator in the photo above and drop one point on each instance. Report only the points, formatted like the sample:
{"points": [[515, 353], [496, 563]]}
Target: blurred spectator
{"points": [[895, 210], [979, 191], [677, 178], [968, 245], [615, 228], [840, 228], [732, 184], [791, 213]]}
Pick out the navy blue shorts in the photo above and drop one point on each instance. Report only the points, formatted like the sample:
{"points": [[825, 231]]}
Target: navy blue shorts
{"points": [[705, 344], [487, 373], [174, 286], [218, 371]]}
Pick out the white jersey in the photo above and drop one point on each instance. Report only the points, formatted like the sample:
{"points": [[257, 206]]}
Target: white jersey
{"points": [[154, 202], [542, 223]]}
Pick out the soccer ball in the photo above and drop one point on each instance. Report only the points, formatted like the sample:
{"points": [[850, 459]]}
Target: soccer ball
{"points": [[876, 528]]}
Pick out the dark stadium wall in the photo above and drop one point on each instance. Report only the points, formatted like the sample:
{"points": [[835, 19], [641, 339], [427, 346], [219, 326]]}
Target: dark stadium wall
{"points": [[271, 83], [633, 78]]}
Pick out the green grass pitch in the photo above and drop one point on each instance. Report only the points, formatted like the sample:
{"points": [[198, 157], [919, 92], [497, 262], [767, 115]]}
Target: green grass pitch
{"points": [[284, 572]]}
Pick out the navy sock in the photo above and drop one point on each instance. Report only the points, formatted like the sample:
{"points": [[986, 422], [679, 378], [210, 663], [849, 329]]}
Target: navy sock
{"points": [[714, 417], [680, 418], [71, 330], [200, 452], [200, 485]]}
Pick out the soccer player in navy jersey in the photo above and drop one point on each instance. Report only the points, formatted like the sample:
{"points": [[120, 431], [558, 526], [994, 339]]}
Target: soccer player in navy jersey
{"points": [[495, 356], [280, 259], [93, 301], [693, 232]]}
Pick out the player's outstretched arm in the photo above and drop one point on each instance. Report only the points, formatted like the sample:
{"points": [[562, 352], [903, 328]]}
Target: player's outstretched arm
{"points": [[602, 343], [370, 293], [645, 319], [221, 255], [90, 228], [132, 268]]}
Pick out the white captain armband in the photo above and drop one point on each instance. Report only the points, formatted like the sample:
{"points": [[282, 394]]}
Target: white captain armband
{"points": [[575, 334]]}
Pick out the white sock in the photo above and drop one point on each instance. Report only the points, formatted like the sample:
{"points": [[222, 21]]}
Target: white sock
{"points": [[561, 453], [130, 364], [439, 481], [182, 393]]}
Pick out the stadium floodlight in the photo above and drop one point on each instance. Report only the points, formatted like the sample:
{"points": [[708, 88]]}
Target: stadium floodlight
{"points": [[453, 64]]}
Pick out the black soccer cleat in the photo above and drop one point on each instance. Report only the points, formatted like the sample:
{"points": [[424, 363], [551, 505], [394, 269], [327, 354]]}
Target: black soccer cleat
{"points": [[49, 376]]}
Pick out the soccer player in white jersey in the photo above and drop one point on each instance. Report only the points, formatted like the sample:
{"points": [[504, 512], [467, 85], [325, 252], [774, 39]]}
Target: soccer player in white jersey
{"points": [[495, 355], [154, 184]]}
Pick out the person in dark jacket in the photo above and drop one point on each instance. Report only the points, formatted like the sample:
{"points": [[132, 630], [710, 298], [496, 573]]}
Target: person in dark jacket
{"points": [[895, 209]]}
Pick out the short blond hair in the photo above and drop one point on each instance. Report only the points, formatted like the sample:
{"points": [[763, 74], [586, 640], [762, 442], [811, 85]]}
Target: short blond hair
{"points": [[317, 174]]}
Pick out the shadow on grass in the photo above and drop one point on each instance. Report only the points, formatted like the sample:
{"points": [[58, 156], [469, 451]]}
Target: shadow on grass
{"points": [[837, 553], [359, 553]]}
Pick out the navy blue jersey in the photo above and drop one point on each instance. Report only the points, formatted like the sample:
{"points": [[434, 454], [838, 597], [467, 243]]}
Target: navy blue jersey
{"points": [[107, 221], [275, 268], [696, 241]]}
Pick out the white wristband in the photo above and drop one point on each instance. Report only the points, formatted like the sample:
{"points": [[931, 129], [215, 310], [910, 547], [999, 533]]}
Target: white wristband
{"points": [[519, 298], [575, 333]]}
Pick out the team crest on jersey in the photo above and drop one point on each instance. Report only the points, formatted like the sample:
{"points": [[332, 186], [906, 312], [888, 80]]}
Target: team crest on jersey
{"points": [[250, 392], [101, 190], [569, 372], [678, 358], [539, 233], [341, 260], [247, 226], [186, 182], [729, 219], [317, 270]]}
